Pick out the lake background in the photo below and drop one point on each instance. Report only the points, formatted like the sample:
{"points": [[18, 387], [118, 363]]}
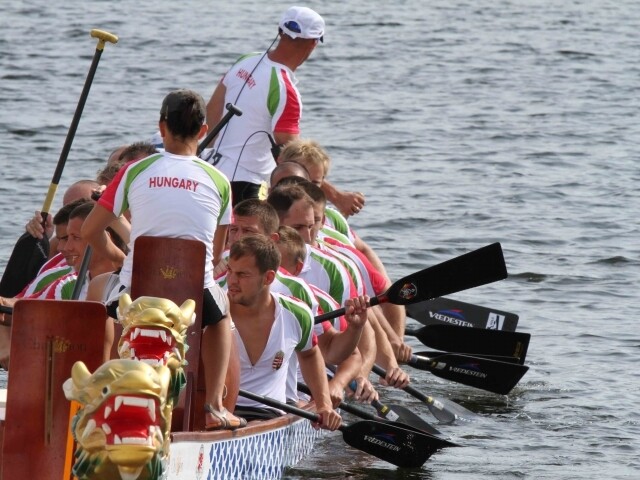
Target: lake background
{"points": [[465, 123]]}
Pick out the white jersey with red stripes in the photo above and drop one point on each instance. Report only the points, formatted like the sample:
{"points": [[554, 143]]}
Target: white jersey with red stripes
{"points": [[266, 93], [291, 332], [170, 196]]}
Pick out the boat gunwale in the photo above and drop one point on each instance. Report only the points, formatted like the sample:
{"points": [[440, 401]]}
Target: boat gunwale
{"points": [[255, 427]]}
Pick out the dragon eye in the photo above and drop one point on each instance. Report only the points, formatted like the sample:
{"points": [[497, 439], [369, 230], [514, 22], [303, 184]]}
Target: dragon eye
{"points": [[106, 390]]}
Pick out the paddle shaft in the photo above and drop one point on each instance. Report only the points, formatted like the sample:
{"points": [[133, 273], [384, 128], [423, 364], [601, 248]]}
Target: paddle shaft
{"points": [[378, 370], [30, 253], [232, 110], [399, 446], [102, 37], [392, 413], [82, 273], [472, 269]]}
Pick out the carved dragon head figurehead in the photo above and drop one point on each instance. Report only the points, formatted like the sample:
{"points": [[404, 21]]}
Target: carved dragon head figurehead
{"points": [[155, 330], [123, 425]]}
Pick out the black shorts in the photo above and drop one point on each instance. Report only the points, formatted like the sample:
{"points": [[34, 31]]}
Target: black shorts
{"points": [[211, 311], [244, 190]]}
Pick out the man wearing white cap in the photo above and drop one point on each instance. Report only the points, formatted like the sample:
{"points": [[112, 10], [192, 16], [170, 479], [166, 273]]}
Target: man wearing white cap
{"points": [[263, 86]]}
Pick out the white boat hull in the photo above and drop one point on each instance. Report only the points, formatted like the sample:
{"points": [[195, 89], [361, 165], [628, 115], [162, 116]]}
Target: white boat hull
{"points": [[260, 451]]}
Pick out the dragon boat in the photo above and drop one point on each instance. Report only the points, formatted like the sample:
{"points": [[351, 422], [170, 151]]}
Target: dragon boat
{"points": [[71, 415]]}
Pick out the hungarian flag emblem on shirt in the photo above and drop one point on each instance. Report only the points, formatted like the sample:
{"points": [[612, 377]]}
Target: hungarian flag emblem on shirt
{"points": [[277, 360]]}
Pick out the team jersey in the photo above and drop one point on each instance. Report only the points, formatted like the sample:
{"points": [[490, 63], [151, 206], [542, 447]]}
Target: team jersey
{"points": [[329, 232], [291, 332], [62, 289], [374, 282], [170, 196], [287, 284], [44, 279], [350, 266], [333, 218], [327, 273], [327, 304], [266, 93]]}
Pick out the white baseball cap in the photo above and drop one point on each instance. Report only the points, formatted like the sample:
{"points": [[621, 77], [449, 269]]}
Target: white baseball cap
{"points": [[302, 22]]}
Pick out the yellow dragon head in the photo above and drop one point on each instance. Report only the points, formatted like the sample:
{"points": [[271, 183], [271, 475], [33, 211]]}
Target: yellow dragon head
{"points": [[155, 332], [122, 428]]}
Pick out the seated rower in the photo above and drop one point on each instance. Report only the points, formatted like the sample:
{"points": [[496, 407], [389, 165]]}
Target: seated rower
{"points": [[362, 271], [332, 272], [337, 342], [74, 249], [293, 251], [269, 329]]}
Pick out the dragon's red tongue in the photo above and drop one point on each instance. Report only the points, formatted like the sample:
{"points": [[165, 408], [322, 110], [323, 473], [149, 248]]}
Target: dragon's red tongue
{"points": [[150, 343], [129, 419]]}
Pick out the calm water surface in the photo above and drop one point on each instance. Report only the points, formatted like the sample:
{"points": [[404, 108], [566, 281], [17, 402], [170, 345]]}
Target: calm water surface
{"points": [[464, 123]]}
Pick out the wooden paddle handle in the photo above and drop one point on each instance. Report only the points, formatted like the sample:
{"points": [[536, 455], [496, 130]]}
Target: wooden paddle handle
{"points": [[103, 37]]}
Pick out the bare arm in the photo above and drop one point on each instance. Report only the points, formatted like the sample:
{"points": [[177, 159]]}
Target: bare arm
{"points": [[396, 377], [336, 347], [282, 138], [215, 107], [95, 292], [312, 368], [346, 371], [347, 202], [368, 349], [93, 230], [401, 350], [219, 240], [371, 255]]}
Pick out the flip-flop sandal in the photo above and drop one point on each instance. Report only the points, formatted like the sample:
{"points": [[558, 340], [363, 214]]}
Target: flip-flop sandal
{"points": [[221, 419]]}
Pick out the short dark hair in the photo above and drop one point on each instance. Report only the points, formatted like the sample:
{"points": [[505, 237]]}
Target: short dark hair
{"points": [[106, 174], [314, 191], [253, 207], [184, 112], [292, 180], [81, 211], [290, 241], [137, 150], [283, 197], [63, 214], [263, 249]]}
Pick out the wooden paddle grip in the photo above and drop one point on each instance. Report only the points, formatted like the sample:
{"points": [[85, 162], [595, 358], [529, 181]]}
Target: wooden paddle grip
{"points": [[103, 37]]}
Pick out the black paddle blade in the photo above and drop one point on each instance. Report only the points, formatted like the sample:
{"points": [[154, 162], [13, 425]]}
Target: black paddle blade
{"points": [[489, 375], [453, 312], [472, 269], [475, 341], [498, 358], [399, 422], [403, 417], [400, 414], [29, 254], [398, 446]]}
